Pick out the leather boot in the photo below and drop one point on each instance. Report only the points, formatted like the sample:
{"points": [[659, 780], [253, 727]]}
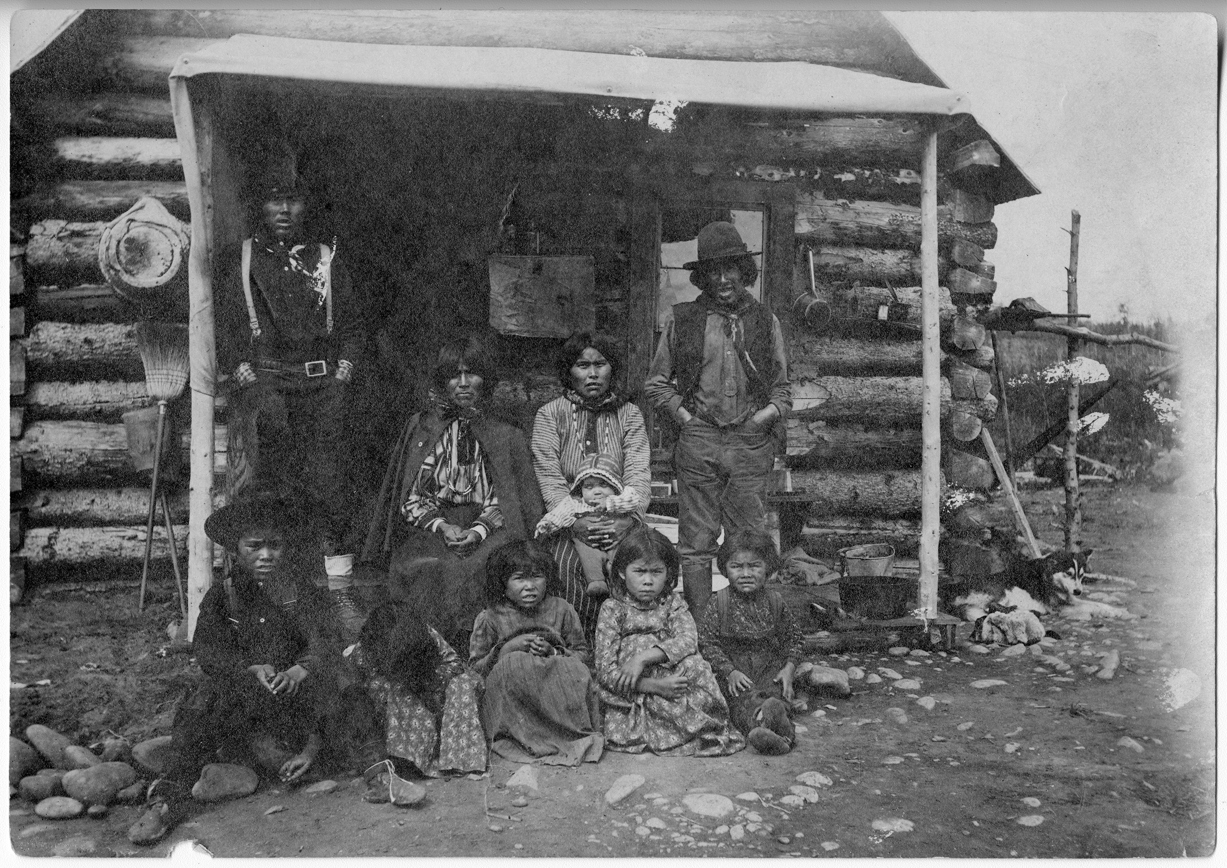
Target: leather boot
{"points": [[696, 587], [350, 612]]}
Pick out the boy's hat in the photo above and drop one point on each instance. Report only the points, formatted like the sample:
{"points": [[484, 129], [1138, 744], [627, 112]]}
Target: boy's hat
{"points": [[717, 241], [601, 466], [255, 511]]}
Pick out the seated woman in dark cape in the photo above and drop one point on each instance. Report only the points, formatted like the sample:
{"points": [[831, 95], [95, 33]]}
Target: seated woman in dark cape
{"points": [[459, 484]]}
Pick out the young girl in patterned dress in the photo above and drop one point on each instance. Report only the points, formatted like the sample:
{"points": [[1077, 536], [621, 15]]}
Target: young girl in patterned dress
{"points": [[425, 697], [658, 694]]}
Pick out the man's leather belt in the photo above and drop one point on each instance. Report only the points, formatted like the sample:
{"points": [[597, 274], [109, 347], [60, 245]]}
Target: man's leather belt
{"points": [[317, 368]]}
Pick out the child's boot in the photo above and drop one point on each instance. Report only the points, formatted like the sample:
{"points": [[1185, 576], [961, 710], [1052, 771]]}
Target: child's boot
{"points": [[340, 570], [167, 804]]}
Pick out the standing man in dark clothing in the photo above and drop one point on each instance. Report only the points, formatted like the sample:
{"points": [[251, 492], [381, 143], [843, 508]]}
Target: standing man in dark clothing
{"points": [[292, 331], [721, 372]]}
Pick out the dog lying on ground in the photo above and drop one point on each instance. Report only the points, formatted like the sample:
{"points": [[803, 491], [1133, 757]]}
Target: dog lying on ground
{"points": [[1006, 606]]}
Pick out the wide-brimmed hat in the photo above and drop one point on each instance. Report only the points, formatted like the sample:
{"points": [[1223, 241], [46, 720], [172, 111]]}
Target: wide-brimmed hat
{"points": [[717, 241], [258, 510], [600, 466]]}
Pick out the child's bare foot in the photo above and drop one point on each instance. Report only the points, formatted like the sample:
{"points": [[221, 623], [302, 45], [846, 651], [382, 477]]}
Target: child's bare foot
{"points": [[670, 687], [597, 589]]}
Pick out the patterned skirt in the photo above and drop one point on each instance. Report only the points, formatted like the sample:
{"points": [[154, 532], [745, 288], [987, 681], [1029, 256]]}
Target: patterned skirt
{"points": [[452, 742]]}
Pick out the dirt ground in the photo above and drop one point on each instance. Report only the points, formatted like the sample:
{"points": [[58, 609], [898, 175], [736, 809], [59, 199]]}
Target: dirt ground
{"points": [[970, 776]]}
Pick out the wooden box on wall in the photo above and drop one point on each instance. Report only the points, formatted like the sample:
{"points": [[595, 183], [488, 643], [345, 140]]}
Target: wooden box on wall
{"points": [[542, 296]]}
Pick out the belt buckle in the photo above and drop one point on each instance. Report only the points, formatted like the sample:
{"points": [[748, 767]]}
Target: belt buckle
{"points": [[317, 368]]}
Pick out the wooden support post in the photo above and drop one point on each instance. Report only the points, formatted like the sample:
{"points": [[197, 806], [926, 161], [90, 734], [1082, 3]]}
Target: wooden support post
{"points": [[1005, 413], [1019, 516], [201, 346], [930, 467], [1073, 509]]}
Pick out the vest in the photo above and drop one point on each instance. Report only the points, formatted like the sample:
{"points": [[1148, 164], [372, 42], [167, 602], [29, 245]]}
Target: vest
{"points": [[689, 324]]}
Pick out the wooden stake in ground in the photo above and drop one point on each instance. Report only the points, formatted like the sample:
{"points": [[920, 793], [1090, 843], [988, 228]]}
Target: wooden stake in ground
{"points": [[1073, 511]]}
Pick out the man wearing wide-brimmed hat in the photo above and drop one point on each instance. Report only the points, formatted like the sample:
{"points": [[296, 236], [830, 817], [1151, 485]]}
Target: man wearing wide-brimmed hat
{"points": [[292, 328], [721, 372]]}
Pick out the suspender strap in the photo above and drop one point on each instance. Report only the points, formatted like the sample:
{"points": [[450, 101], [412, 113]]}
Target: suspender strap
{"points": [[252, 319], [326, 261]]}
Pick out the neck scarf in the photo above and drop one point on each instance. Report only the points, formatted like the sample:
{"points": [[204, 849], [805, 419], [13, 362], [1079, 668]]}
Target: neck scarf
{"points": [[607, 403], [733, 325]]}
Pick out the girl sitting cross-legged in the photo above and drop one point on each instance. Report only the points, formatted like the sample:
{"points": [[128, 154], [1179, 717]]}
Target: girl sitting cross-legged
{"points": [[540, 702], [424, 699], [658, 693], [753, 643]]}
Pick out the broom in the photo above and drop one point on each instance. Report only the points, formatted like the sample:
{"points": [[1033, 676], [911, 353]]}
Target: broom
{"points": [[164, 354]]}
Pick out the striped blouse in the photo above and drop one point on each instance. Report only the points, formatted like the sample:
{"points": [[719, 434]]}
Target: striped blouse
{"points": [[447, 479], [559, 449]]}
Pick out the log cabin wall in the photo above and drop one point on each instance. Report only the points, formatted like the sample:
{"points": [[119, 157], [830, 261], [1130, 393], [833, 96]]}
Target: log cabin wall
{"points": [[414, 190]]}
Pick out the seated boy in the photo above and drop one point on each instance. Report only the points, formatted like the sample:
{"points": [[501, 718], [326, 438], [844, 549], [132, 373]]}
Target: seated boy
{"points": [[265, 637], [597, 489]]}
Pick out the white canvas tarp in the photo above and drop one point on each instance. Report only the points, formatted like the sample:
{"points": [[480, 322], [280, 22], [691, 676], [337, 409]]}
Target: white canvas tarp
{"points": [[786, 86]]}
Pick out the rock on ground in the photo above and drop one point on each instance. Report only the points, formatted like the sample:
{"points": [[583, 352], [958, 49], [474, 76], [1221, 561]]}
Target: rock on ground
{"points": [[623, 787], [221, 781], [150, 755], [59, 808], [23, 760], [708, 804], [49, 743]]}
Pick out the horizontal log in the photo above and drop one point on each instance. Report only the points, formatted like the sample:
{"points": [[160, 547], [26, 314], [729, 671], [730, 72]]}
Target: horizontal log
{"points": [[883, 185], [17, 528], [968, 471], [47, 546], [16, 422], [67, 351], [816, 142], [100, 157], [17, 369], [70, 453], [879, 400], [833, 38], [87, 303], [867, 265], [61, 252], [883, 494], [964, 282], [85, 507], [17, 276], [143, 63], [109, 114], [967, 382], [17, 322], [903, 303], [95, 400], [968, 207], [818, 355], [982, 357], [824, 537], [99, 200], [879, 224], [16, 473], [816, 445]]}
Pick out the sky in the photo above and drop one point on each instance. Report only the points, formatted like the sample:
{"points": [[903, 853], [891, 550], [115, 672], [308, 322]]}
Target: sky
{"points": [[1110, 114]]}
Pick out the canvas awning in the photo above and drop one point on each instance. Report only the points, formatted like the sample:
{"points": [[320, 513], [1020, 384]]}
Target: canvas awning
{"points": [[786, 86]]}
